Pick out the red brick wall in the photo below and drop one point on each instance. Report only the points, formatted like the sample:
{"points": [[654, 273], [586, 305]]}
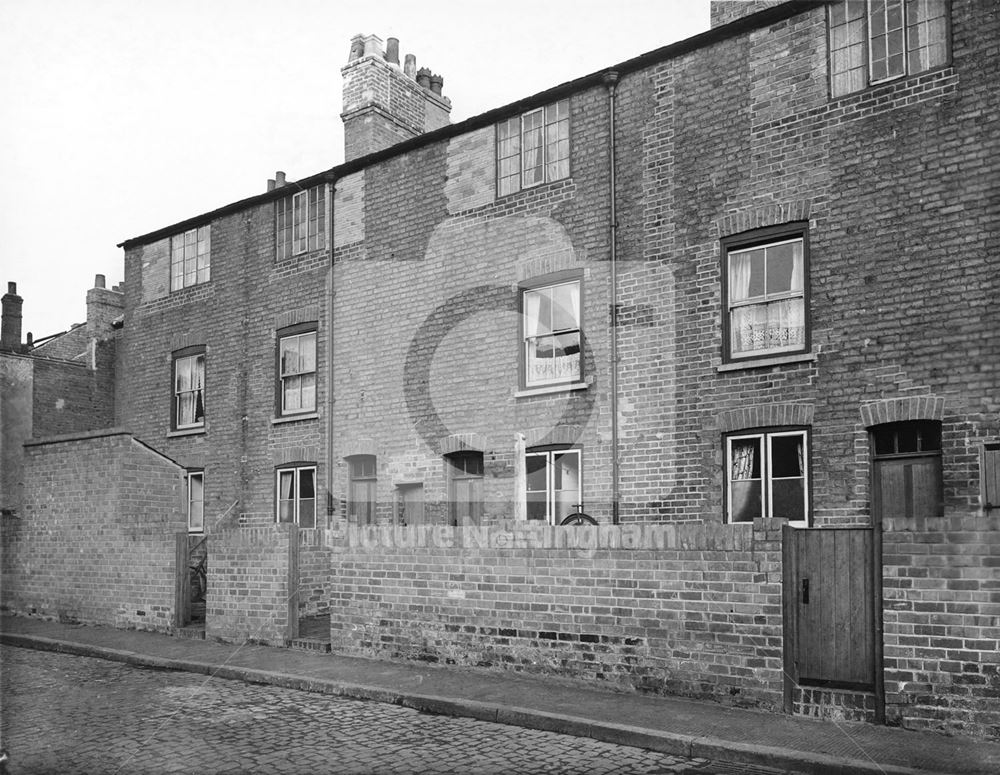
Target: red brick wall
{"points": [[742, 134], [699, 616], [252, 576], [96, 540], [427, 326], [941, 580], [235, 316]]}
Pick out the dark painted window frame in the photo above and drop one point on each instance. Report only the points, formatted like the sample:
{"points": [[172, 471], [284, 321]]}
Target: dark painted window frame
{"points": [[756, 238], [764, 432], [533, 284], [284, 333], [176, 356]]}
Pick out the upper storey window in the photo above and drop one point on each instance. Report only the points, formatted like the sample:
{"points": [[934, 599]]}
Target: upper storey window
{"points": [[533, 148], [300, 222], [551, 334], [190, 258], [766, 310], [880, 40]]}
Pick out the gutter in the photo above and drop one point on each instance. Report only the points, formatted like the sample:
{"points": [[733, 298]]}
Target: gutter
{"points": [[763, 18]]}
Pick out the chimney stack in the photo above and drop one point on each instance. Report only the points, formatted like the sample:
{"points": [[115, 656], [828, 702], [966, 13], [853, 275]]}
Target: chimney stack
{"points": [[10, 327], [383, 104], [103, 306]]}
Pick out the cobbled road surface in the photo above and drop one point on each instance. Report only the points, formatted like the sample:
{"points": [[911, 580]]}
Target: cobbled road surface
{"points": [[64, 714]]}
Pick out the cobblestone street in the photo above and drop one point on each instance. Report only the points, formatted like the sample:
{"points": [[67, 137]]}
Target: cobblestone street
{"points": [[71, 714]]}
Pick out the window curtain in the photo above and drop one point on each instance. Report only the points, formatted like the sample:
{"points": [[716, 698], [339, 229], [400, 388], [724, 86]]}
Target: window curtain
{"points": [[767, 325], [926, 28], [189, 388], [743, 457], [533, 149]]}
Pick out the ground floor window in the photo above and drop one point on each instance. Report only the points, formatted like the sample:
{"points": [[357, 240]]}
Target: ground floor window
{"points": [[196, 501], [296, 488], [768, 475], [554, 485]]}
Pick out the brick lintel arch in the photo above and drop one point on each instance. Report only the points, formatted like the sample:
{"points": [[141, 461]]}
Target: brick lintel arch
{"points": [[463, 442], [927, 407], [360, 447], [766, 416], [561, 434]]}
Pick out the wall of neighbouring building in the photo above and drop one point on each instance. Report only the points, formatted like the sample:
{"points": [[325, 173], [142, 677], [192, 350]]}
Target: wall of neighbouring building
{"points": [[725, 11], [16, 381], [680, 609], [95, 542]]}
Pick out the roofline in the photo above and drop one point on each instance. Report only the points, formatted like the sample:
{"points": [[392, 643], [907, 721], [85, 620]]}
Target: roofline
{"points": [[670, 51]]}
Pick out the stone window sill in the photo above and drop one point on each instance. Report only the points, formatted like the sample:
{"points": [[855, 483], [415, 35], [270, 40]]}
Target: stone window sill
{"points": [[762, 363], [294, 418], [549, 389], [186, 432]]}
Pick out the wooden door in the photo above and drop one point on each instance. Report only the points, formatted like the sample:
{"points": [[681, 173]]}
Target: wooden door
{"points": [[410, 505], [831, 589]]}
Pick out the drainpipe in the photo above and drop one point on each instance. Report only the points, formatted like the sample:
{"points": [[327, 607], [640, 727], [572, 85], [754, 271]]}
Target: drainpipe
{"points": [[611, 80], [332, 190]]}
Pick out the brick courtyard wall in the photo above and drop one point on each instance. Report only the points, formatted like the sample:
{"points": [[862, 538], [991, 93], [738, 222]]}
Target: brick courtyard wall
{"points": [[941, 584], [680, 609], [96, 540], [252, 575]]}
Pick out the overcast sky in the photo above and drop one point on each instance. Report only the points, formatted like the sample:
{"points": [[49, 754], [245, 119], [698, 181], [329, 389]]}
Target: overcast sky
{"points": [[121, 117]]}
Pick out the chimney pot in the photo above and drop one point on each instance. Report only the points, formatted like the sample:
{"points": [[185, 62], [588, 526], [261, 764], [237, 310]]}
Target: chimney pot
{"points": [[357, 48], [373, 46], [424, 77], [12, 288], [436, 84], [392, 51], [410, 66], [270, 184], [31, 339], [279, 179], [99, 281]]}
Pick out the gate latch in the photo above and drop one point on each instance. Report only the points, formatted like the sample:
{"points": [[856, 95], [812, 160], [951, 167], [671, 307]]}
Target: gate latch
{"points": [[805, 591]]}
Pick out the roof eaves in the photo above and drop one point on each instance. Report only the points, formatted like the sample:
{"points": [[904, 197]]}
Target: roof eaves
{"points": [[701, 40]]}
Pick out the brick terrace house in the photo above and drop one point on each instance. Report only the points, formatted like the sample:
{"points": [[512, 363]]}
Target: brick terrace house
{"points": [[733, 298]]}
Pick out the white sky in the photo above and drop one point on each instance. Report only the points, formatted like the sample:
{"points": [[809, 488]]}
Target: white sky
{"points": [[121, 117]]}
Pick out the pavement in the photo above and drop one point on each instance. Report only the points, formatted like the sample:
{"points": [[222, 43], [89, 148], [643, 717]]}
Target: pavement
{"points": [[670, 725]]}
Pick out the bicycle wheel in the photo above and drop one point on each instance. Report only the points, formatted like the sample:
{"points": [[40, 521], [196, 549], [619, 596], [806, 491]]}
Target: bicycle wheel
{"points": [[579, 518]]}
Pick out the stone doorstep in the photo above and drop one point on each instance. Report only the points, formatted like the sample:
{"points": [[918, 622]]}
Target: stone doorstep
{"points": [[310, 644], [191, 632]]}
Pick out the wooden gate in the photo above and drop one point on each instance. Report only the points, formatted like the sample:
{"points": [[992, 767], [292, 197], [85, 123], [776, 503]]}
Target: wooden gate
{"points": [[832, 610]]}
